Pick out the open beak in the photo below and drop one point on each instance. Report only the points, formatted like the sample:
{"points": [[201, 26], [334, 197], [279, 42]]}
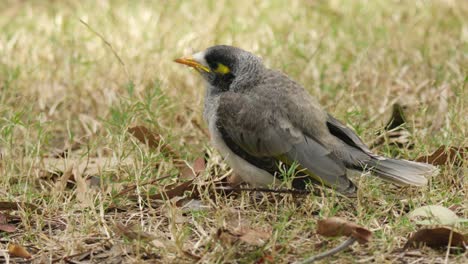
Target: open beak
{"points": [[193, 63]]}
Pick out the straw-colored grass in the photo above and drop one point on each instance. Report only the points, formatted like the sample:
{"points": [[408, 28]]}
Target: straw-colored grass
{"points": [[80, 73]]}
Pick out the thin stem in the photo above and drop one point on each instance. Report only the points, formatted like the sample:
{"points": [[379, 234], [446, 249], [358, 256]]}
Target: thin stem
{"points": [[331, 252]]}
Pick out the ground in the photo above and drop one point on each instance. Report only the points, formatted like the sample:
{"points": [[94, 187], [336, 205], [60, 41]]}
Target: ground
{"points": [[77, 75]]}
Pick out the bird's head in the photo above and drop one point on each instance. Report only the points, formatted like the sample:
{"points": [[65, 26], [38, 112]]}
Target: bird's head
{"points": [[225, 67]]}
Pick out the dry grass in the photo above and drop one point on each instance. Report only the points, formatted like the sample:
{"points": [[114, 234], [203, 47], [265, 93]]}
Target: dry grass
{"points": [[60, 84]]}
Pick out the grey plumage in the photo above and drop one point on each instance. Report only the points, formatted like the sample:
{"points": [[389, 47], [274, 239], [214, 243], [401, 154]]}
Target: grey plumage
{"points": [[258, 117]]}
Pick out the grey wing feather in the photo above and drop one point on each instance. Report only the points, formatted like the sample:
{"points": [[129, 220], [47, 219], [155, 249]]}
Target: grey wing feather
{"points": [[262, 131], [393, 170], [322, 163]]}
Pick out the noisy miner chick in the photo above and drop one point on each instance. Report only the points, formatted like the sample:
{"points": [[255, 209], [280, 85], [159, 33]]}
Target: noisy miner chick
{"points": [[263, 123]]}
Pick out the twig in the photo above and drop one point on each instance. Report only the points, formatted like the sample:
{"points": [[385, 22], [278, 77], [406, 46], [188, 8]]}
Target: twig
{"points": [[289, 191], [330, 252], [108, 44], [285, 191]]}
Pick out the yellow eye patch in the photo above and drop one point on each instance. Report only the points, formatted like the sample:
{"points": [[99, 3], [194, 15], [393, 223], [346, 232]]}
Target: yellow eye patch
{"points": [[221, 68]]}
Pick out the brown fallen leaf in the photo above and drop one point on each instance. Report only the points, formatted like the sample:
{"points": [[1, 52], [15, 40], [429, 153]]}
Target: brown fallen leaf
{"points": [[446, 155], [250, 236], [17, 250], [265, 259], [174, 190], [171, 191], [190, 172], [146, 136], [4, 226], [335, 226], [16, 206], [8, 228], [437, 238], [132, 232], [179, 189], [253, 236]]}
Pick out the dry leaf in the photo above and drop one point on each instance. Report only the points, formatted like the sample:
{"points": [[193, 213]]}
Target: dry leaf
{"points": [[16, 206], [254, 237], [433, 214], [8, 228], [179, 189], [265, 259], [437, 238], [239, 229], [248, 235], [446, 155], [335, 226], [4, 226], [174, 190], [146, 136], [132, 232], [18, 251], [191, 172]]}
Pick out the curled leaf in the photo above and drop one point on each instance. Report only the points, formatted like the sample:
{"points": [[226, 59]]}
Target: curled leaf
{"points": [[335, 226], [437, 238], [4, 225]]}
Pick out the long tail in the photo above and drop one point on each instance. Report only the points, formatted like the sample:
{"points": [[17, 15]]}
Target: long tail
{"points": [[402, 172]]}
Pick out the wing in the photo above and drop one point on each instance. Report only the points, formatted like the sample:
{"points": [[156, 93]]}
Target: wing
{"points": [[344, 133], [259, 132], [349, 137]]}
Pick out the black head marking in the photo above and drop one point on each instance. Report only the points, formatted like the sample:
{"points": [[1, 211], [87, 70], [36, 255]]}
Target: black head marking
{"points": [[225, 55]]}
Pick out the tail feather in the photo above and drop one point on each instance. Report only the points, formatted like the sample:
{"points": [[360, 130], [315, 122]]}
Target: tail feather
{"points": [[402, 172]]}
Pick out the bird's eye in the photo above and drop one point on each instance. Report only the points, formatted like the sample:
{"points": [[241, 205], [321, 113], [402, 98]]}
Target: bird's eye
{"points": [[222, 69]]}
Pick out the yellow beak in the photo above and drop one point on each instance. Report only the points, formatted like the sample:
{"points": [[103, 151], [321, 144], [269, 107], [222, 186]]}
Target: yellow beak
{"points": [[192, 63]]}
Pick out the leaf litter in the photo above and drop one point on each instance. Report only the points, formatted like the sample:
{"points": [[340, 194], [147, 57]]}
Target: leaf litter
{"points": [[17, 250], [335, 226], [443, 232]]}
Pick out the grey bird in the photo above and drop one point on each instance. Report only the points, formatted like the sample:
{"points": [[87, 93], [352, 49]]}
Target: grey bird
{"points": [[259, 120]]}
